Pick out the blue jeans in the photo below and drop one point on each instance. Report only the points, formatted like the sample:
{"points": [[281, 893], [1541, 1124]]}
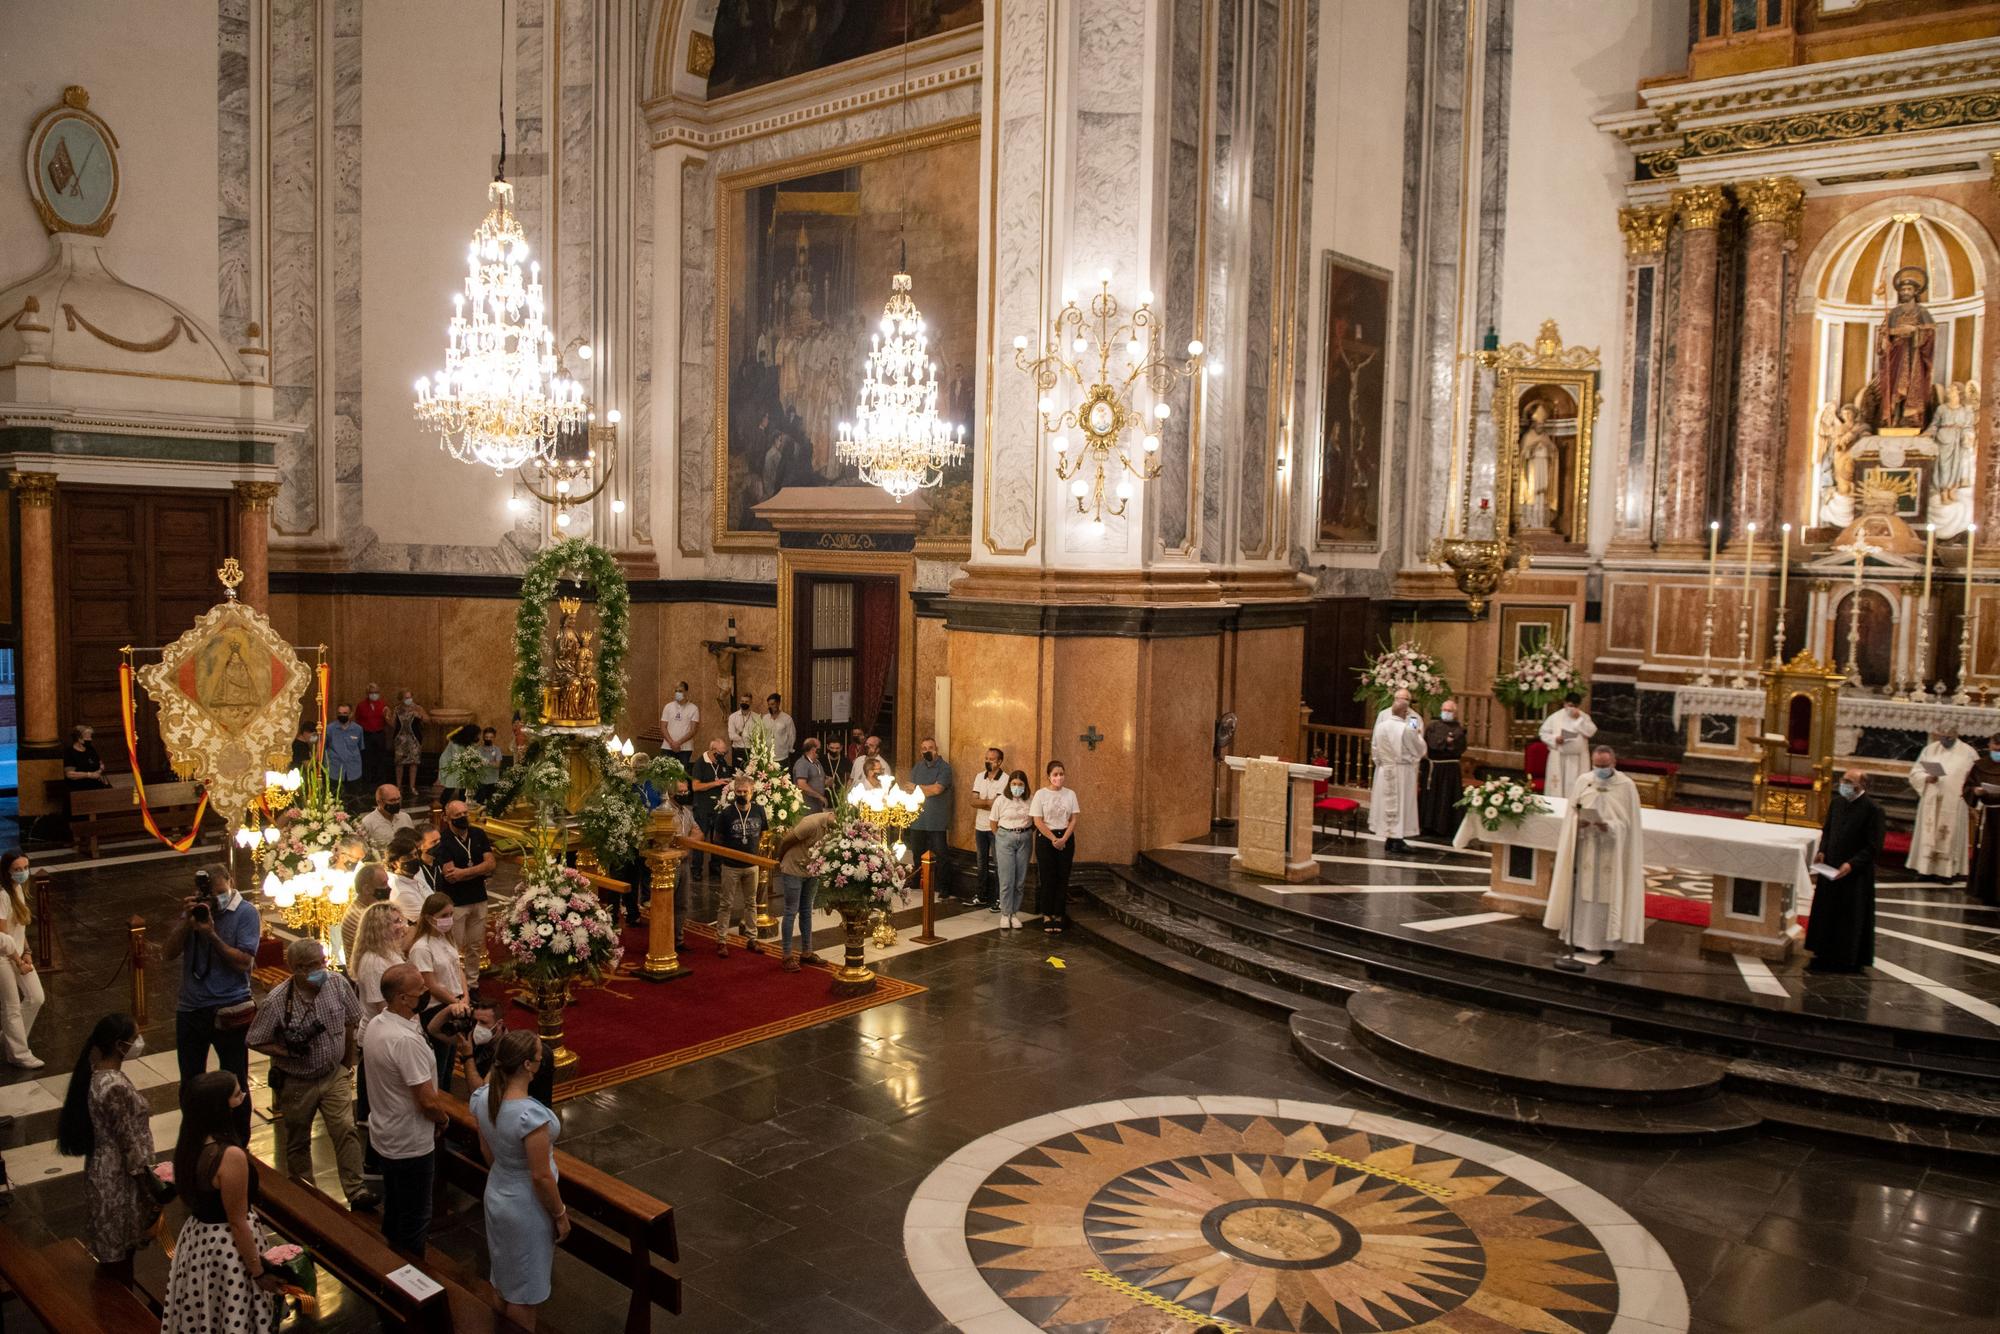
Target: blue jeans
{"points": [[798, 891], [1013, 847]]}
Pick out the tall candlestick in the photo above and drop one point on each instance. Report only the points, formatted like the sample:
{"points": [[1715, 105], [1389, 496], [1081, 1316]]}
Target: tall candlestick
{"points": [[1778, 617], [1962, 695], [1749, 547], [1971, 532], [1715, 535], [1741, 680], [1707, 677], [1930, 548]]}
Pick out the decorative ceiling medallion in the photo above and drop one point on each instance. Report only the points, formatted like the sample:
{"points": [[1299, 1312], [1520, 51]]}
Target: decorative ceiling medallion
{"points": [[72, 167]]}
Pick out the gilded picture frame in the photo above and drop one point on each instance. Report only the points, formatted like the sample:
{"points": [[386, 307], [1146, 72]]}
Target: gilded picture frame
{"points": [[1356, 349], [1563, 379], [732, 189]]}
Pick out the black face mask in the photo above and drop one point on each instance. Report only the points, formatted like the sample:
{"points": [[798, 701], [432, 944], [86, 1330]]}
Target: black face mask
{"points": [[462, 823], [392, 807]]}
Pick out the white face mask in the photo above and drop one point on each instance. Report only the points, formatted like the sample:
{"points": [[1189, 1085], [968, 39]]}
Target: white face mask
{"points": [[1604, 772], [1019, 791], [136, 1048], [1448, 714], [481, 1035], [229, 900], [680, 696]]}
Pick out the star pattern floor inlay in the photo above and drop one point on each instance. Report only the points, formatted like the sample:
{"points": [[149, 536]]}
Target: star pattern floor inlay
{"points": [[1158, 1214]]}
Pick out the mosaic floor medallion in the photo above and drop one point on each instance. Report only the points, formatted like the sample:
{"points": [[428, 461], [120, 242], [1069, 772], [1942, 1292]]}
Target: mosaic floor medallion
{"points": [[1162, 1214]]}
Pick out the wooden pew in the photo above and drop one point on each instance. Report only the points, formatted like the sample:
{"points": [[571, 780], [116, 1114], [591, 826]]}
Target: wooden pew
{"points": [[96, 812], [63, 1287], [616, 1229], [356, 1255]]}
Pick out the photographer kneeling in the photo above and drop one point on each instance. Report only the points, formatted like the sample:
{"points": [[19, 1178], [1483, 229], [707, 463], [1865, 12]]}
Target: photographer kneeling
{"points": [[216, 942], [307, 1025]]}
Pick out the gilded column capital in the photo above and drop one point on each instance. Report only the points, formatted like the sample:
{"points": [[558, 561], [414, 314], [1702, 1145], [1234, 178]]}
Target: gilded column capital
{"points": [[1645, 228], [37, 490], [1700, 207], [1776, 199], [257, 495]]}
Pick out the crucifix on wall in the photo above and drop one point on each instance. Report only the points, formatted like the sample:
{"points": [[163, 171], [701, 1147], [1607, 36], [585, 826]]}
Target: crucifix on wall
{"points": [[728, 652]]}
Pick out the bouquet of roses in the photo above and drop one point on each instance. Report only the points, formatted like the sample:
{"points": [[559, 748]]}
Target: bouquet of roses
{"points": [[1501, 801], [295, 1264], [1405, 667], [315, 823], [856, 871], [555, 928], [770, 786], [1539, 681]]}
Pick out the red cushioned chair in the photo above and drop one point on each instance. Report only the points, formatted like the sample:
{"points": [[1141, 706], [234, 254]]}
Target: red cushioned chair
{"points": [[1536, 761], [1344, 813]]}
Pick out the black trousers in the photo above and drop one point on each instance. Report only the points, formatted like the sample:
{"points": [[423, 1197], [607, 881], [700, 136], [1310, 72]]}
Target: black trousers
{"points": [[986, 875], [195, 1033], [935, 843], [375, 758], [407, 1185], [1052, 878]]}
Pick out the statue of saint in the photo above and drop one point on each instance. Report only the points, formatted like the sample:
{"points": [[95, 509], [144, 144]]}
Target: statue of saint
{"points": [[570, 698], [1541, 468], [1839, 430], [1951, 485], [1899, 397]]}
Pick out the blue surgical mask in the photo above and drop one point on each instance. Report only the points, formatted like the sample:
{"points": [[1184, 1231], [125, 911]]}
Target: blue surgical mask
{"points": [[20, 875], [317, 977], [1847, 789], [1604, 772], [1018, 790], [1995, 754]]}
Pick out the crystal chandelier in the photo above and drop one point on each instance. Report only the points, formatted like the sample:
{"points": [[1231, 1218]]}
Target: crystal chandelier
{"points": [[897, 441], [501, 399]]}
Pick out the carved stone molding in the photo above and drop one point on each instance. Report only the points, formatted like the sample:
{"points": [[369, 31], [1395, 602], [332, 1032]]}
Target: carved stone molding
{"points": [[1645, 228], [37, 490], [1700, 207]]}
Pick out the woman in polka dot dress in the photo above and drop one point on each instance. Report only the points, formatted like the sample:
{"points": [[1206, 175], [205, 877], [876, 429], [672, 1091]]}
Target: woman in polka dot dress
{"points": [[219, 1283]]}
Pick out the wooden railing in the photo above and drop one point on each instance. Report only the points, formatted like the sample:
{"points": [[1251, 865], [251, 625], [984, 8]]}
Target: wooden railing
{"points": [[1349, 751]]}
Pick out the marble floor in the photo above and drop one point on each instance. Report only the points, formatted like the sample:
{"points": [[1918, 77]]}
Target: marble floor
{"points": [[800, 1166]]}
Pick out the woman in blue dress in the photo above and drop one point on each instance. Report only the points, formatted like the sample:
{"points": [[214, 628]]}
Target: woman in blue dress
{"points": [[525, 1217]]}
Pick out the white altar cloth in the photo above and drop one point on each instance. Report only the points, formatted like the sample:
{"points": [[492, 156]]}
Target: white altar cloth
{"points": [[1684, 841], [1855, 710]]}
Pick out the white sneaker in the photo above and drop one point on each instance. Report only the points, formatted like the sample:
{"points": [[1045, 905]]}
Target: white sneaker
{"points": [[30, 1062]]}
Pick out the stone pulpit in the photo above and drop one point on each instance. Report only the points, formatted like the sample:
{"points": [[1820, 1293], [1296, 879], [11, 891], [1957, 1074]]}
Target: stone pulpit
{"points": [[1274, 826]]}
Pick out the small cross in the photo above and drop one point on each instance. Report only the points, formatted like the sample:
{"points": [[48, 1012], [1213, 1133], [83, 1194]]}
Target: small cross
{"points": [[1092, 737]]}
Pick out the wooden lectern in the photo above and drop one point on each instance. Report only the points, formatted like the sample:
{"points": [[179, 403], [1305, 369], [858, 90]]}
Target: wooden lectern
{"points": [[1274, 825]]}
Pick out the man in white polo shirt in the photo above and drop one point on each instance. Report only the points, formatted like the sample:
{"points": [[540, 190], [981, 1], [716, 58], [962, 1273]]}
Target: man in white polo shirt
{"points": [[678, 719], [404, 1110]]}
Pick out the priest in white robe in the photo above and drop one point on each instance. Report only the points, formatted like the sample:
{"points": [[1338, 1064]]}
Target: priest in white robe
{"points": [[1399, 750], [1938, 843], [1597, 894], [1567, 734]]}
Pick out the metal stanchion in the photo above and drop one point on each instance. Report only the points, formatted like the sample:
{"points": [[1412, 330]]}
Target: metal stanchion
{"points": [[138, 936], [929, 935]]}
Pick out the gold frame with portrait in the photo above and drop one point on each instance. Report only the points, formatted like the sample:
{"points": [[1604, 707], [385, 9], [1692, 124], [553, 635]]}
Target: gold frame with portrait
{"points": [[1519, 373]]}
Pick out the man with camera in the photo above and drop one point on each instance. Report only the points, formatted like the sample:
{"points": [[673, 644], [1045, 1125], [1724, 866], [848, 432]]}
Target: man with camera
{"points": [[405, 1110], [307, 1025], [216, 942]]}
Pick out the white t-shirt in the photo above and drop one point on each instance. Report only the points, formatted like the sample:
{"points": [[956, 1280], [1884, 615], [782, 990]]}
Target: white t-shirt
{"points": [[440, 957], [1054, 807], [677, 723], [784, 734], [399, 1060], [368, 981], [1012, 813], [408, 893], [982, 786]]}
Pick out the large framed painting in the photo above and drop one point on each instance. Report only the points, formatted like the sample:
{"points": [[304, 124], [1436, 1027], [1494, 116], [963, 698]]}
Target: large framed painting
{"points": [[758, 42], [1525, 628], [809, 248], [1354, 402]]}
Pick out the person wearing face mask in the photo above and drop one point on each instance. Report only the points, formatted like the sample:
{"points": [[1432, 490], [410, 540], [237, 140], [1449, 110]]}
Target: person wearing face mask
{"points": [[216, 942], [308, 1025], [219, 1280], [1444, 743], [21, 994], [305, 747], [83, 769], [465, 862], [1013, 845], [931, 775], [1567, 733], [678, 719], [1840, 931], [106, 1122], [988, 783], [739, 725], [1938, 841], [408, 887], [1398, 749], [739, 824], [343, 749], [1054, 810], [434, 955], [372, 715], [405, 1111], [491, 757], [371, 886], [809, 775], [378, 947], [864, 750], [381, 825], [1597, 891], [707, 776], [408, 723], [778, 725]]}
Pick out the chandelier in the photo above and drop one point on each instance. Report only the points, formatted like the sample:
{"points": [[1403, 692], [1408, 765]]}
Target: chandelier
{"points": [[897, 441], [1106, 409], [501, 400]]}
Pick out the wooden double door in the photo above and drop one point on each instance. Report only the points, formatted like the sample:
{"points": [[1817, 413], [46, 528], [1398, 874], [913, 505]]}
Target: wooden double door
{"points": [[845, 635], [133, 568]]}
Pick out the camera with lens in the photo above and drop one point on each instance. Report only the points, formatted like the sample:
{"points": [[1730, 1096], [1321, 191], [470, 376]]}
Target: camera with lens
{"points": [[204, 894], [456, 1025]]}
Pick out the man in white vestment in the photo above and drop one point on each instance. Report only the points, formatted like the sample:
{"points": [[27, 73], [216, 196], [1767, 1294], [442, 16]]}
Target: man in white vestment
{"points": [[1938, 844], [1398, 749], [1567, 734], [1597, 895]]}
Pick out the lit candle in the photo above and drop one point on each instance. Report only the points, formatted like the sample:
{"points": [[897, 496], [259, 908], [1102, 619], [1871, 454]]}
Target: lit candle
{"points": [[1714, 535], [1930, 546], [1784, 565], [1749, 546]]}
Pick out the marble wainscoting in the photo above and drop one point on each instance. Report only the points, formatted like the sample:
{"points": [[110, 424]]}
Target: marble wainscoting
{"points": [[1614, 707], [1883, 743], [1656, 719]]}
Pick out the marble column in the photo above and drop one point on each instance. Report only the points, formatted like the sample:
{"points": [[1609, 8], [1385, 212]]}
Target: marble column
{"points": [[1684, 498], [1771, 213], [1636, 438], [253, 541], [40, 758]]}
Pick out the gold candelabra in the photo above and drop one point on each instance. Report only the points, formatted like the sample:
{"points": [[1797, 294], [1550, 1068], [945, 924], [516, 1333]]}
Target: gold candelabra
{"points": [[1861, 551], [1106, 409]]}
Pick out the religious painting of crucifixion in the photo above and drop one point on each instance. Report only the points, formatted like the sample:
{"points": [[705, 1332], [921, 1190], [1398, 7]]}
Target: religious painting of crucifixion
{"points": [[1353, 401], [809, 248]]}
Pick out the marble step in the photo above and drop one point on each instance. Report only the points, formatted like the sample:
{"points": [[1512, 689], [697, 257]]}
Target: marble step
{"points": [[1159, 957], [1534, 1058], [1850, 1092], [1327, 1042], [1884, 1130]]}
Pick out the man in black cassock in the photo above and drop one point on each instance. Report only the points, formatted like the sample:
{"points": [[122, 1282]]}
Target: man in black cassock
{"points": [[1841, 931], [1982, 880], [1444, 736]]}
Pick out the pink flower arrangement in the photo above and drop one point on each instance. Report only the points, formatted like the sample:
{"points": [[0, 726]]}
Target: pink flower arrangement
{"points": [[855, 869], [283, 1253], [556, 928]]}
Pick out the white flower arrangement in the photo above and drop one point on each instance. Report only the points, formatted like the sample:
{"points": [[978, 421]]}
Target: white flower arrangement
{"points": [[1409, 667], [855, 870], [1540, 680], [770, 786], [1501, 801], [555, 928]]}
